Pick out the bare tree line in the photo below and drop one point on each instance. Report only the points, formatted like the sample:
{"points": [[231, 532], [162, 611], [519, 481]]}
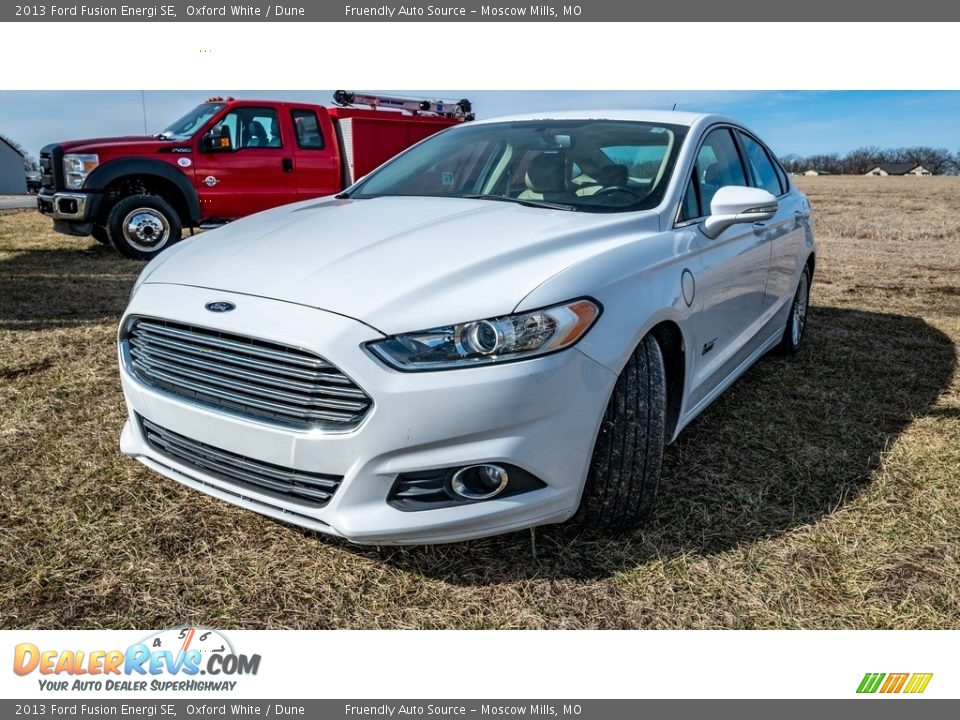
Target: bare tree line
{"points": [[938, 161]]}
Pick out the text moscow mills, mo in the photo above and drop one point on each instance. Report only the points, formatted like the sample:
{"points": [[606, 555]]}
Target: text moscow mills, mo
{"points": [[401, 11]]}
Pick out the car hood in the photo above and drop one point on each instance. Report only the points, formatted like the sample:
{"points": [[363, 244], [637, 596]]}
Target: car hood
{"points": [[397, 264]]}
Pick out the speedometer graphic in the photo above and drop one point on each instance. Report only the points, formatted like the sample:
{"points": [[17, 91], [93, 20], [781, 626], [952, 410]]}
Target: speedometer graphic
{"points": [[183, 639]]}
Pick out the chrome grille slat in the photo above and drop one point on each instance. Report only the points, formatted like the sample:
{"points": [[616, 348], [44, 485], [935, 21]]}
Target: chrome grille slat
{"points": [[217, 340], [273, 395], [240, 361], [272, 382], [233, 399], [237, 373], [313, 489]]}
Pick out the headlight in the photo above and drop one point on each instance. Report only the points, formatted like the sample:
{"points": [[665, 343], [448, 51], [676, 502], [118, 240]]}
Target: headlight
{"points": [[77, 167], [483, 342]]}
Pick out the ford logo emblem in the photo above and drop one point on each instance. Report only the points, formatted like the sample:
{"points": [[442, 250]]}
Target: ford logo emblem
{"points": [[220, 306]]}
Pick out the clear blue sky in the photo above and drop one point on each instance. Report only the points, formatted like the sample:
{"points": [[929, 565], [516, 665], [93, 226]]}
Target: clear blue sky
{"points": [[802, 122]]}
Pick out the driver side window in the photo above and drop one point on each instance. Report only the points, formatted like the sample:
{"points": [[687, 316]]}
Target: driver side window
{"points": [[253, 128], [718, 164]]}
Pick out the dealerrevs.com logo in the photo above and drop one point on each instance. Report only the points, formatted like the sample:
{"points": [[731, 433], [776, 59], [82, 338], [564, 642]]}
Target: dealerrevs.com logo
{"points": [[178, 659], [892, 683]]}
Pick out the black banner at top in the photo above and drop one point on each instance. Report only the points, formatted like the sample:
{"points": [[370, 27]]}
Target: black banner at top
{"points": [[472, 11]]}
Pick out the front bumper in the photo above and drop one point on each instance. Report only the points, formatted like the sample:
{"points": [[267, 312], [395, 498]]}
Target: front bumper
{"points": [[72, 212], [540, 415]]}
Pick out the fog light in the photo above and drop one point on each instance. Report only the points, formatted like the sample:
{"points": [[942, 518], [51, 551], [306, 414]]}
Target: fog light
{"points": [[68, 206], [479, 482]]}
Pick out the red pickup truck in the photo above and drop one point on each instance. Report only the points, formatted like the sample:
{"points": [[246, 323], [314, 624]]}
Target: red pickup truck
{"points": [[223, 160]]}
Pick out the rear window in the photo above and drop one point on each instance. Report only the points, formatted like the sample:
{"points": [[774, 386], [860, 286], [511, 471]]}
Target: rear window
{"points": [[761, 166], [307, 129]]}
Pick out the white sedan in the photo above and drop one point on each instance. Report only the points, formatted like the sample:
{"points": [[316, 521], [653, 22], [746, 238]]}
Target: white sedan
{"points": [[500, 328]]}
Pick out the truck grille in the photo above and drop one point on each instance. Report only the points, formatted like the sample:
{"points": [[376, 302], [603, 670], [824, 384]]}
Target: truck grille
{"points": [[264, 380], [47, 178], [51, 167], [306, 488]]}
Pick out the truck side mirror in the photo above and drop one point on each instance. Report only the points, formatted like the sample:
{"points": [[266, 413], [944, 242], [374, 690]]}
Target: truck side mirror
{"points": [[217, 140]]}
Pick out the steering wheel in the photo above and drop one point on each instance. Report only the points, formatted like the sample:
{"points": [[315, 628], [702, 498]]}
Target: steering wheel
{"points": [[610, 190]]}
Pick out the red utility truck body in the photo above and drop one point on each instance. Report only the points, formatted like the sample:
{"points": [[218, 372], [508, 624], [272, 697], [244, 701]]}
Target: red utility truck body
{"points": [[225, 159]]}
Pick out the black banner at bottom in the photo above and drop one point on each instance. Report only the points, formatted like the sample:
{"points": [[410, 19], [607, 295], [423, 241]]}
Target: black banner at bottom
{"points": [[872, 708]]}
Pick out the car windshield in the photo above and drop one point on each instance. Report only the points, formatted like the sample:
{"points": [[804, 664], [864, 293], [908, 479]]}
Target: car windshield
{"points": [[588, 165], [186, 126]]}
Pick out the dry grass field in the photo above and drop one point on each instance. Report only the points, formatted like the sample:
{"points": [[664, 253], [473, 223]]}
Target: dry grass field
{"points": [[819, 492]]}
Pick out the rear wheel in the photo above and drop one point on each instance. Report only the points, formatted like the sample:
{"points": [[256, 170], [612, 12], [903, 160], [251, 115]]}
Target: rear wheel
{"points": [[625, 470], [797, 319], [141, 226]]}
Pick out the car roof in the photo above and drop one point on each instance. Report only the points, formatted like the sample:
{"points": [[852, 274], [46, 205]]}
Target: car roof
{"points": [[666, 117]]}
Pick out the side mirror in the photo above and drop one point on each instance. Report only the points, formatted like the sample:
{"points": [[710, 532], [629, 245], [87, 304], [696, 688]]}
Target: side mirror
{"points": [[734, 204], [216, 140]]}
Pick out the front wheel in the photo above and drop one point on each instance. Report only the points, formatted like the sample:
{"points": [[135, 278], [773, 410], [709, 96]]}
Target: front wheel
{"points": [[141, 226], [625, 470]]}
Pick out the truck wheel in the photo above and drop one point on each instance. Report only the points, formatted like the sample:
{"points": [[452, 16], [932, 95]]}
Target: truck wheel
{"points": [[625, 470], [140, 226], [99, 233]]}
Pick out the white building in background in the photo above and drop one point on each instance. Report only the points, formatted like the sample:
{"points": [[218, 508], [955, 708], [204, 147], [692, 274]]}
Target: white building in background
{"points": [[13, 179], [885, 169]]}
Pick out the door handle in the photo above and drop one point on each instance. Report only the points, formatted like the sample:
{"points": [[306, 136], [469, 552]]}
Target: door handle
{"points": [[288, 164]]}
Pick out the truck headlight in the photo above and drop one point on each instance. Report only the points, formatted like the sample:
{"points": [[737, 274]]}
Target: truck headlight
{"points": [[484, 342], [77, 167]]}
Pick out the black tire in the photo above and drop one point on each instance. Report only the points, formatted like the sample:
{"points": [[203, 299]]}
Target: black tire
{"points": [[99, 233], [792, 338], [624, 473], [142, 226]]}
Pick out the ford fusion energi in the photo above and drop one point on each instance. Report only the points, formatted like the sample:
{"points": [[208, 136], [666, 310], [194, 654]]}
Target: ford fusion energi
{"points": [[502, 327]]}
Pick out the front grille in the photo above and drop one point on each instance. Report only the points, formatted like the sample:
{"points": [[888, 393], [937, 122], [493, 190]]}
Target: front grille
{"points": [[51, 167], [306, 488], [264, 380], [47, 180]]}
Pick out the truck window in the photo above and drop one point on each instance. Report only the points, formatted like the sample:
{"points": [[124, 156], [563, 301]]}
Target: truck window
{"points": [[191, 122], [307, 128], [253, 128], [454, 173]]}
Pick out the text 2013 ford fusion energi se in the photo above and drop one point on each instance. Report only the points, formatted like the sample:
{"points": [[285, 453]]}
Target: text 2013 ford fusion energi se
{"points": [[500, 328]]}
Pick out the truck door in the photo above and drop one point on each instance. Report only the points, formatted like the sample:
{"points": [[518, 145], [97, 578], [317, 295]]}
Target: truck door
{"points": [[316, 159], [255, 174]]}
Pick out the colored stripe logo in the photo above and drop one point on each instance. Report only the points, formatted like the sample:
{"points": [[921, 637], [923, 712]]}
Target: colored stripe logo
{"points": [[913, 683]]}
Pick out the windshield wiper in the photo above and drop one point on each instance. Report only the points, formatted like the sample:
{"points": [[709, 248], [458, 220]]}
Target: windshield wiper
{"points": [[521, 201]]}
